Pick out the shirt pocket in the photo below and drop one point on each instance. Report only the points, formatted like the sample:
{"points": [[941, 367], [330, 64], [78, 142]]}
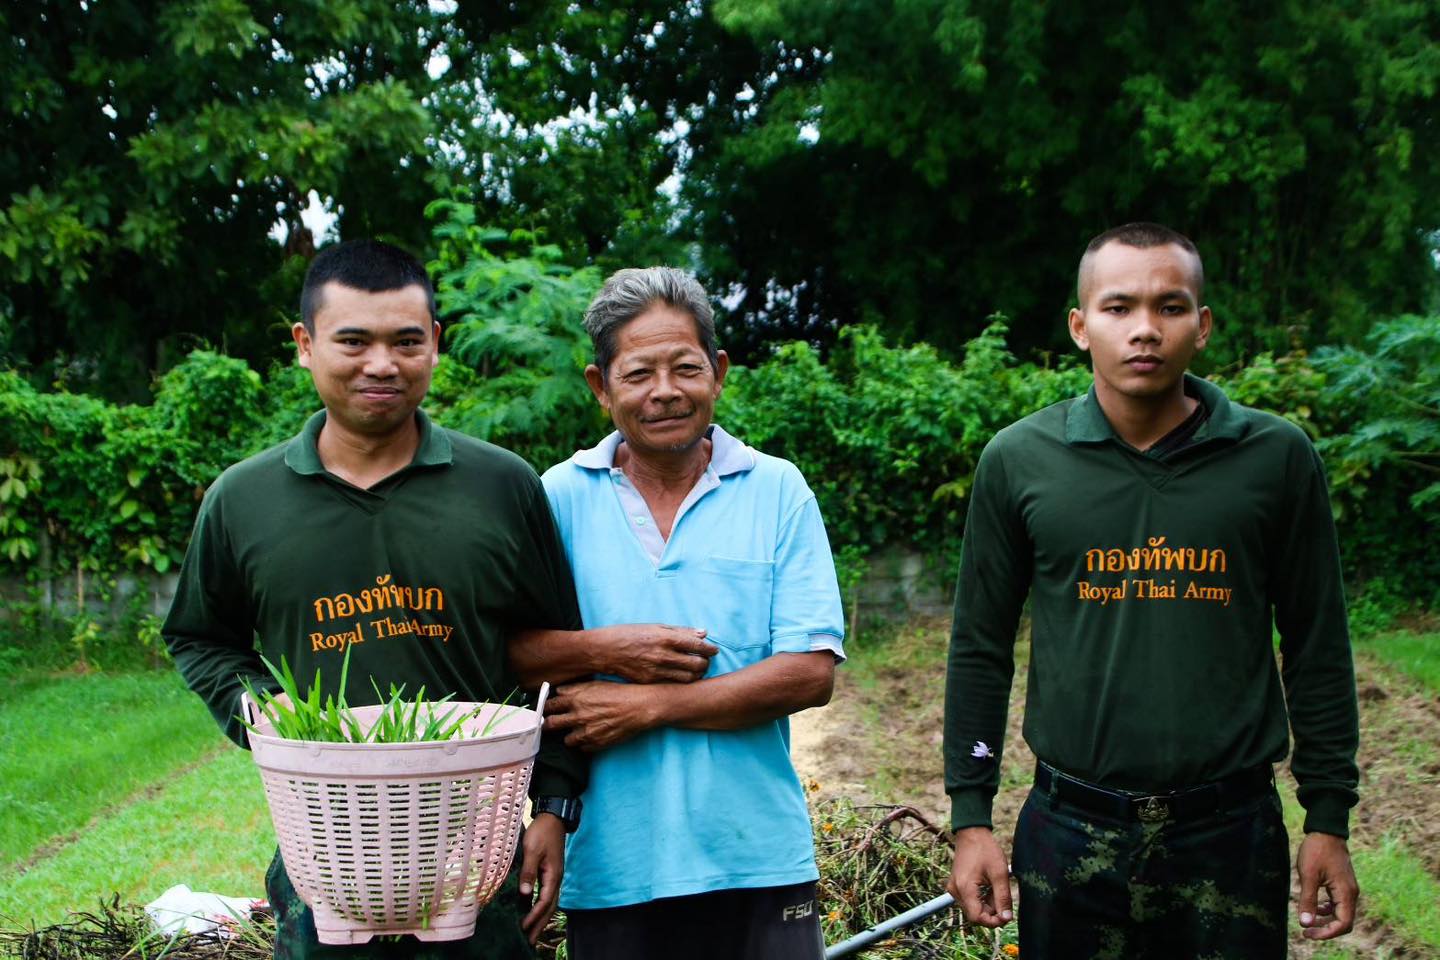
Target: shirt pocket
{"points": [[736, 597]]}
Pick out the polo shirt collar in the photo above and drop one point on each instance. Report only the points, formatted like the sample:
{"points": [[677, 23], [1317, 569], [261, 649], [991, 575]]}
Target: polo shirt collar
{"points": [[1085, 422], [727, 454], [303, 454]]}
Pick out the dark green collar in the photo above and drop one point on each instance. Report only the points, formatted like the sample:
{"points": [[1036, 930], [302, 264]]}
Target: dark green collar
{"points": [[303, 456], [1085, 422]]}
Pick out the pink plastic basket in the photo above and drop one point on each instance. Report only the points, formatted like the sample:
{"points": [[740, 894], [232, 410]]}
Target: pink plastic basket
{"points": [[399, 838]]}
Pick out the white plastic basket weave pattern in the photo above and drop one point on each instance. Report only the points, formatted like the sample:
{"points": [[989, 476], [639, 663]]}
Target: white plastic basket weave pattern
{"points": [[399, 838]]}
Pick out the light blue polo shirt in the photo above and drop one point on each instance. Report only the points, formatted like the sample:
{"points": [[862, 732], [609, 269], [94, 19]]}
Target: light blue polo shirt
{"points": [[674, 812]]}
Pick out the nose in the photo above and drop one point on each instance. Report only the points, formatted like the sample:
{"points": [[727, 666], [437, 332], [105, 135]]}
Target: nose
{"points": [[379, 364], [665, 387], [1145, 329]]}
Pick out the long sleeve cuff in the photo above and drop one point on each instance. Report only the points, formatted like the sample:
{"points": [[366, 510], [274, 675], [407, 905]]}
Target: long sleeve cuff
{"points": [[970, 807], [1328, 812], [553, 783]]}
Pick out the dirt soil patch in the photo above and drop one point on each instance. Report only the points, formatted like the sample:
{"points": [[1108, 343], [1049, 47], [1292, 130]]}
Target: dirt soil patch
{"points": [[879, 741]]}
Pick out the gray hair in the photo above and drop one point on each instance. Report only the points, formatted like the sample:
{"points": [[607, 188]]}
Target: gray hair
{"points": [[630, 292]]}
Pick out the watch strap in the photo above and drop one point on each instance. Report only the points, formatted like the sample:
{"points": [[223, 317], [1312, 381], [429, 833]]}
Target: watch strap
{"points": [[566, 808]]}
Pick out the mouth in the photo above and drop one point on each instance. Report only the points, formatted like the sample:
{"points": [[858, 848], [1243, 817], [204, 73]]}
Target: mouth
{"points": [[379, 393], [671, 418], [1144, 362]]}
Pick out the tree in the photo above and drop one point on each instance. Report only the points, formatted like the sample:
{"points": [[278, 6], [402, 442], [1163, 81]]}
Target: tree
{"points": [[930, 161], [148, 148]]}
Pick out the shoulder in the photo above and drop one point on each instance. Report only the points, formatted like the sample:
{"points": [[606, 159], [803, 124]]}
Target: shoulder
{"points": [[475, 458], [778, 475], [1270, 426], [1044, 427], [566, 478], [1276, 441], [257, 473]]}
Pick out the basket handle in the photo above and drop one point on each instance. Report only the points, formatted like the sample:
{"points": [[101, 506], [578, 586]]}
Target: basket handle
{"points": [[540, 703], [249, 711]]}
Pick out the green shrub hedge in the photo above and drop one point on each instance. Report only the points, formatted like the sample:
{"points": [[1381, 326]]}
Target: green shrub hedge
{"points": [[888, 437]]}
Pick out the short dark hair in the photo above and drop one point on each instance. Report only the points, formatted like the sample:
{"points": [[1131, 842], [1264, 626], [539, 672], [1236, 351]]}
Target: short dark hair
{"points": [[630, 292], [1142, 235], [369, 265]]}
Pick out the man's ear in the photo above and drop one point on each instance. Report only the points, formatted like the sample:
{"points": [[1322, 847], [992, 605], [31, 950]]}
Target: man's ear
{"points": [[301, 336], [435, 353], [1207, 324], [1078, 333], [722, 367], [596, 381]]}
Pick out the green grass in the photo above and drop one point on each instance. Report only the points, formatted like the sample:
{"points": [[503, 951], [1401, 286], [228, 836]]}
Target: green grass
{"points": [[75, 746], [208, 829], [1416, 655], [1396, 888]]}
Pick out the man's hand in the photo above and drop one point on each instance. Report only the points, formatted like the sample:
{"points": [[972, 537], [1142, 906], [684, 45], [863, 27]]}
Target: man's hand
{"points": [[544, 859], [980, 878], [1324, 861], [656, 652], [600, 714]]}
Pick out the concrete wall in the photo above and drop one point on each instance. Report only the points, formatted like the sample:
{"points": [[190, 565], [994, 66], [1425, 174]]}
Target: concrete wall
{"points": [[902, 582], [105, 599]]}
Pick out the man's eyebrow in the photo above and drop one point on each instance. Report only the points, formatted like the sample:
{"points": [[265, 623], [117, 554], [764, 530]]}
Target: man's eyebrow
{"points": [[664, 354], [364, 332], [1121, 296]]}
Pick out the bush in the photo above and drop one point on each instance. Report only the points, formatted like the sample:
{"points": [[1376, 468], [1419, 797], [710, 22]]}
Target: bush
{"points": [[888, 436]]}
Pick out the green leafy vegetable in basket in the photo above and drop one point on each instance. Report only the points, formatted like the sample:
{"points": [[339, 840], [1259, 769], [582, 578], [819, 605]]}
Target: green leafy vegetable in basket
{"points": [[296, 717]]}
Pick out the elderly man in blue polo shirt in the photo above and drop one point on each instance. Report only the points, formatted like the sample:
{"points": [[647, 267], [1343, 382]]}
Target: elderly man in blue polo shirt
{"points": [[695, 836]]}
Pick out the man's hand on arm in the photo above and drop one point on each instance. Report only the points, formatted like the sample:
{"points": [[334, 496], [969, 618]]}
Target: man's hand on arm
{"points": [[598, 714], [980, 878], [639, 652], [1324, 861], [540, 871]]}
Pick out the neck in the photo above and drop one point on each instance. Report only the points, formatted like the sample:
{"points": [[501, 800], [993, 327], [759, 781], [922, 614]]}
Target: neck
{"points": [[674, 471], [1141, 421], [365, 460]]}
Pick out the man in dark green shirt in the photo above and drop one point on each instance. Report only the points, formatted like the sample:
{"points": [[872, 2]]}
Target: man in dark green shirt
{"points": [[1158, 531], [415, 549]]}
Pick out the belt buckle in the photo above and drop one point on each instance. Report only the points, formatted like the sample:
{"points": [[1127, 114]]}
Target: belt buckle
{"points": [[1153, 810]]}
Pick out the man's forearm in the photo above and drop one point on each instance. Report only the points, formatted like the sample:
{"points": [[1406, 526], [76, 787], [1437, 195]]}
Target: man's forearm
{"points": [[639, 652], [599, 714], [555, 656], [775, 687]]}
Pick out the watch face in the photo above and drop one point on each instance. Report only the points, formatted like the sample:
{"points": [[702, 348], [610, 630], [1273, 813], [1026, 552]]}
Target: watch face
{"points": [[566, 808]]}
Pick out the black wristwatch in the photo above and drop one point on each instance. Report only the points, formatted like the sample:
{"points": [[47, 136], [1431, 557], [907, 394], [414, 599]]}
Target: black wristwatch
{"points": [[566, 808]]}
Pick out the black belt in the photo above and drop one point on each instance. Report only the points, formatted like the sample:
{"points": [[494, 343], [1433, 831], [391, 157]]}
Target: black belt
{"points": [[1177, 805]]}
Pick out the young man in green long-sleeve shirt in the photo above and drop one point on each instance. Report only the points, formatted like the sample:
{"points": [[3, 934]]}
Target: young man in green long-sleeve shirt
{"points": [[1158, 531], [413, 549]]}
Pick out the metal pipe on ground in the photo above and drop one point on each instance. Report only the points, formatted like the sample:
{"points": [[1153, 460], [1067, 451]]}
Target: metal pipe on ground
{"points": [[880, 931]]}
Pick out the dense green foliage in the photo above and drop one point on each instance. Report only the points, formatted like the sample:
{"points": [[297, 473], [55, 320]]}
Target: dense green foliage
{"points": [[512, 325], [951, 159], [914, 166], [149, 147], [888, 436]]}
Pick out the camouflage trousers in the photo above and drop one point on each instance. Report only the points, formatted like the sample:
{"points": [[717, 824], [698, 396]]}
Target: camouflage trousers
{"points": [[1213, 888], [497, 929]]}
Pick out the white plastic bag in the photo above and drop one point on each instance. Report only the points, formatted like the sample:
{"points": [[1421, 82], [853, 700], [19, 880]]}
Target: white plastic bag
{"points": [[182, 909]]}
